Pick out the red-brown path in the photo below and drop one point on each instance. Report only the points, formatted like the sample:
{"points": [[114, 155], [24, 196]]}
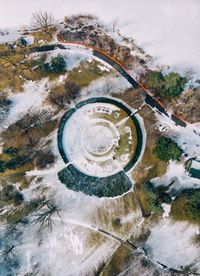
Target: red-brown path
{"points": [[150, 98]]}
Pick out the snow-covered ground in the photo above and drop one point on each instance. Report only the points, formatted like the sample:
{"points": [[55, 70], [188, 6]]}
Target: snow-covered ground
{"points": [[91, 139], [74, 239], [114, 84], [167, 209], [168, 30], [177, 175], [188, 138], [73, 245], [8, 35], [172, 244], [72, 55], [32, 97]]}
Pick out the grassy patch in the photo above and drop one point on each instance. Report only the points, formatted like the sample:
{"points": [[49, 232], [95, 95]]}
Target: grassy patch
{"points": [[19, 152], [17, 67], [119, 261], [85, 73], [44, 37], [134, 97], [80, 77], [95, 239], [21, 136], [155, 196], [149, 167], [14, 69], [177, 208], [187, 206]]}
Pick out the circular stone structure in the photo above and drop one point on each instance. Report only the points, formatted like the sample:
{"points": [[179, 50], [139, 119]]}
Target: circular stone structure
{"points": [[99, 138]]}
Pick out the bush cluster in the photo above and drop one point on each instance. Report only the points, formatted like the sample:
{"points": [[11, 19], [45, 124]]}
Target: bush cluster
{"points": [[56, 65], [166, 149], [167, 86], [156, 196]]}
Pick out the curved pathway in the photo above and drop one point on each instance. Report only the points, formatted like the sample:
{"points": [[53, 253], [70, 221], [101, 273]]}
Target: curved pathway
{"points": [[150, 99]]}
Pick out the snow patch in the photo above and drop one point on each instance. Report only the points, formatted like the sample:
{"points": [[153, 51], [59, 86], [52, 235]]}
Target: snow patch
{"points": [[168, 30], [106, 86], [9, 35], [167, 209], [171, 243], [30, 99], [177, 177]]}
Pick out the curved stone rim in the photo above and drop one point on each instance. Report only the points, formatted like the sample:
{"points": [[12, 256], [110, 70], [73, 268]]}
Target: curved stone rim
{"points": [[115, 102]]}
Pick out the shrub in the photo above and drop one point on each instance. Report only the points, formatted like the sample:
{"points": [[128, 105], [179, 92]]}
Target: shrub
{"points": [[155, 80], [17, 162], [155, 196], [2, 166], [173, 85], [72, 90], [5, 103], [168, 86], [58, 64], [10, 193], [64, 95], [11, 151], [166, 149], [192, 207]]}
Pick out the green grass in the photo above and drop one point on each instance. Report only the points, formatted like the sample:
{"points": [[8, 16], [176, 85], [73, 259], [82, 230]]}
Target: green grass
{"points": [[177, 208], [85, 73], [186, 206], [148, 168]]}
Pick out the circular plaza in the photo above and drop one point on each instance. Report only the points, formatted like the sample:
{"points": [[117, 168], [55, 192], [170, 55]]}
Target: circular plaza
{"points": [[100, 138]]}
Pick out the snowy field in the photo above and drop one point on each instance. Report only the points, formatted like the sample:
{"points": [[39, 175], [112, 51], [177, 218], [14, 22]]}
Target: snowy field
{"points": [[168, 30], [172, 244], [76, 244]]}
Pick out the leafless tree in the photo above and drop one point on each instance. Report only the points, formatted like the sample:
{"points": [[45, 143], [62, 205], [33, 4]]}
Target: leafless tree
{"points": [[44, 216], [43, 21], [115, 24], [108, 86], [8, 252]]}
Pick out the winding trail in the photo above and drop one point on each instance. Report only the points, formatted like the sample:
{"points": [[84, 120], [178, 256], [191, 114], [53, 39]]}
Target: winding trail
{"points": [[151, 100]]}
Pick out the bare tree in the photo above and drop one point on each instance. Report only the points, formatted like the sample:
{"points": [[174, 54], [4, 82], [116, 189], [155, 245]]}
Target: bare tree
{"points": [[108, 86], [13, 230], [44, 218], [43, 21], [8, 252], [115, 24]]}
